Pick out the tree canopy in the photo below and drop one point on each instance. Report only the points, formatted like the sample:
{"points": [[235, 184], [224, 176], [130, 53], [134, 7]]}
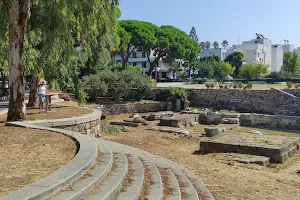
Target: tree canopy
{"points": [[253, 71], [291, 62], [193, 34], [216, 45], [236, 60]]}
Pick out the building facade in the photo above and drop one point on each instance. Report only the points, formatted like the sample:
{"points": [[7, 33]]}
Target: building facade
{"points": [[259, 50], [140, 59]]}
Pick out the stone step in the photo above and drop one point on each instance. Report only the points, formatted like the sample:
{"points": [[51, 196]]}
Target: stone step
{"points": [[187, 189], [173, 184], [155, 190], [113, 183], [91, 178], [134, 187]]}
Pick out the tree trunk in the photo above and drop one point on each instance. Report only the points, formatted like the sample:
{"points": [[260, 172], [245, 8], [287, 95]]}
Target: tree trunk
{"points": [[17, 19], [33, 96]]}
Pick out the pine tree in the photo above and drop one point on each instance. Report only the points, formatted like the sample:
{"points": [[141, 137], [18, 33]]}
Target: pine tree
{"points": [[193, 34]]}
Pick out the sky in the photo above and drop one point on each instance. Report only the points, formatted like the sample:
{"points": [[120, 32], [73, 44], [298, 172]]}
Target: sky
{"points": [[217, 20]]}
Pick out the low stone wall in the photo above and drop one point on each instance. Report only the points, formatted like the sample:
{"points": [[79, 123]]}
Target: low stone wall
{"points": [[115, 109], [278, 148], [275, 102], [89, 124], [270, 121]]}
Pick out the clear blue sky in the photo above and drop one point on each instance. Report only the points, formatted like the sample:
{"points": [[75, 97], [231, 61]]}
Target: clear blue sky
{"points": [[216, 20]]}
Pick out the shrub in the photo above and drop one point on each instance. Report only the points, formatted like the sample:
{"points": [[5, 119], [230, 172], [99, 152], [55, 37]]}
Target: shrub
{"points": [[212, 85], [207, 85], [221, 86], [235, 86], [230, 85], [178, 93], [249, 85], [289, 84], [225, 86], [82, 96], [240, 85], [297, 85], [125, 85]]}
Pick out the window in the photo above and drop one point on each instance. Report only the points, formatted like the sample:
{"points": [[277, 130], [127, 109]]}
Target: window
{"points": [[134, 55], [144, 65], [144, 54], [164, 74]]}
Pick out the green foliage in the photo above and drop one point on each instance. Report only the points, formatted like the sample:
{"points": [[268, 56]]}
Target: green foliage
{"points": [[118, 67], [216, 45], [289, 84], [235, 86], [297, 85], [205, 70], [82, 96], [224, 43], [202, 46], [175, 68], [193, 34], [178, 93], [249, 85], [236, 60], [221, 86], [211, 58], [240, 85], [291, 62], [125, 85], [275, 75], [207, 45], [252, 71]]}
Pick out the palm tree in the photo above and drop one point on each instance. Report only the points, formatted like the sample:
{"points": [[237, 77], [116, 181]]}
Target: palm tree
{"points": [[207, 45], [216, 45], [225, 43]]}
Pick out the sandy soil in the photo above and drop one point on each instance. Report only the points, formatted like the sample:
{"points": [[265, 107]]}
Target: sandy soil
{"points": [[225, 180], [27, 155]]}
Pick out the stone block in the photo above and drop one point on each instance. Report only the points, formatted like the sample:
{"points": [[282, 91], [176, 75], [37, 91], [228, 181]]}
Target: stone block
{"points": [[230, 121], [211, 131]]}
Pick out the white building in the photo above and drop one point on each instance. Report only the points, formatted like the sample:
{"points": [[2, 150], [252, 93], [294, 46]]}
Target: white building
{"points": [[140, 59], [221, 52], [259, 50], [277, 58], [298, 50], [288, 47]]}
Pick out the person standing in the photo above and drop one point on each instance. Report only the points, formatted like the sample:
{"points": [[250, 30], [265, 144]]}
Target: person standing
{"points": [[42, 95]]}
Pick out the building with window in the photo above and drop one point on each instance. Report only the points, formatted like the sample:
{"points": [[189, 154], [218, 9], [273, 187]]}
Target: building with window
{"points": [[140, 59], [259, 50]]}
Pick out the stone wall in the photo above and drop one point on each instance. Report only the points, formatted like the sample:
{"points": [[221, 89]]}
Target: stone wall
{"points": [[270, 121], [275, 102], [115, 109], [91, 128], [89, 124]]}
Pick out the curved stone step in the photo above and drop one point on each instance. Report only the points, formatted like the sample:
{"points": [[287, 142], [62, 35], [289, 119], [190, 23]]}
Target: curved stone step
{"points": [[156, 188], [89, 181], [187, 189], [134, 188], [203, 192], [173, 184], [113, 183]]}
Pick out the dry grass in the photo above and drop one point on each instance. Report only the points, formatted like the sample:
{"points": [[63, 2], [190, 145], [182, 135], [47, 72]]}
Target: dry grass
{"points": [[225, 180], [27, 155], [56, 113]]}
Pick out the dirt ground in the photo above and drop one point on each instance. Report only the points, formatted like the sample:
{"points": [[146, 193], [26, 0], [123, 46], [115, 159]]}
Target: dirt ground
{"points": [[226, 180], [28, 155], [56, 113]]}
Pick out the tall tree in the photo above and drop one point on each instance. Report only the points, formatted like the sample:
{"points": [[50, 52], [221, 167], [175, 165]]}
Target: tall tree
{"points": [[291, 62], [216, 45], [172, 44], [58, 20], [134, 36], [193, 34], [207, 45], [202, 46], [225, 43], [235, 60], [211, 58]]}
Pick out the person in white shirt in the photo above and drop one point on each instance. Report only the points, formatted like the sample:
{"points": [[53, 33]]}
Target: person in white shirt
{"points": [[42, 95]]}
